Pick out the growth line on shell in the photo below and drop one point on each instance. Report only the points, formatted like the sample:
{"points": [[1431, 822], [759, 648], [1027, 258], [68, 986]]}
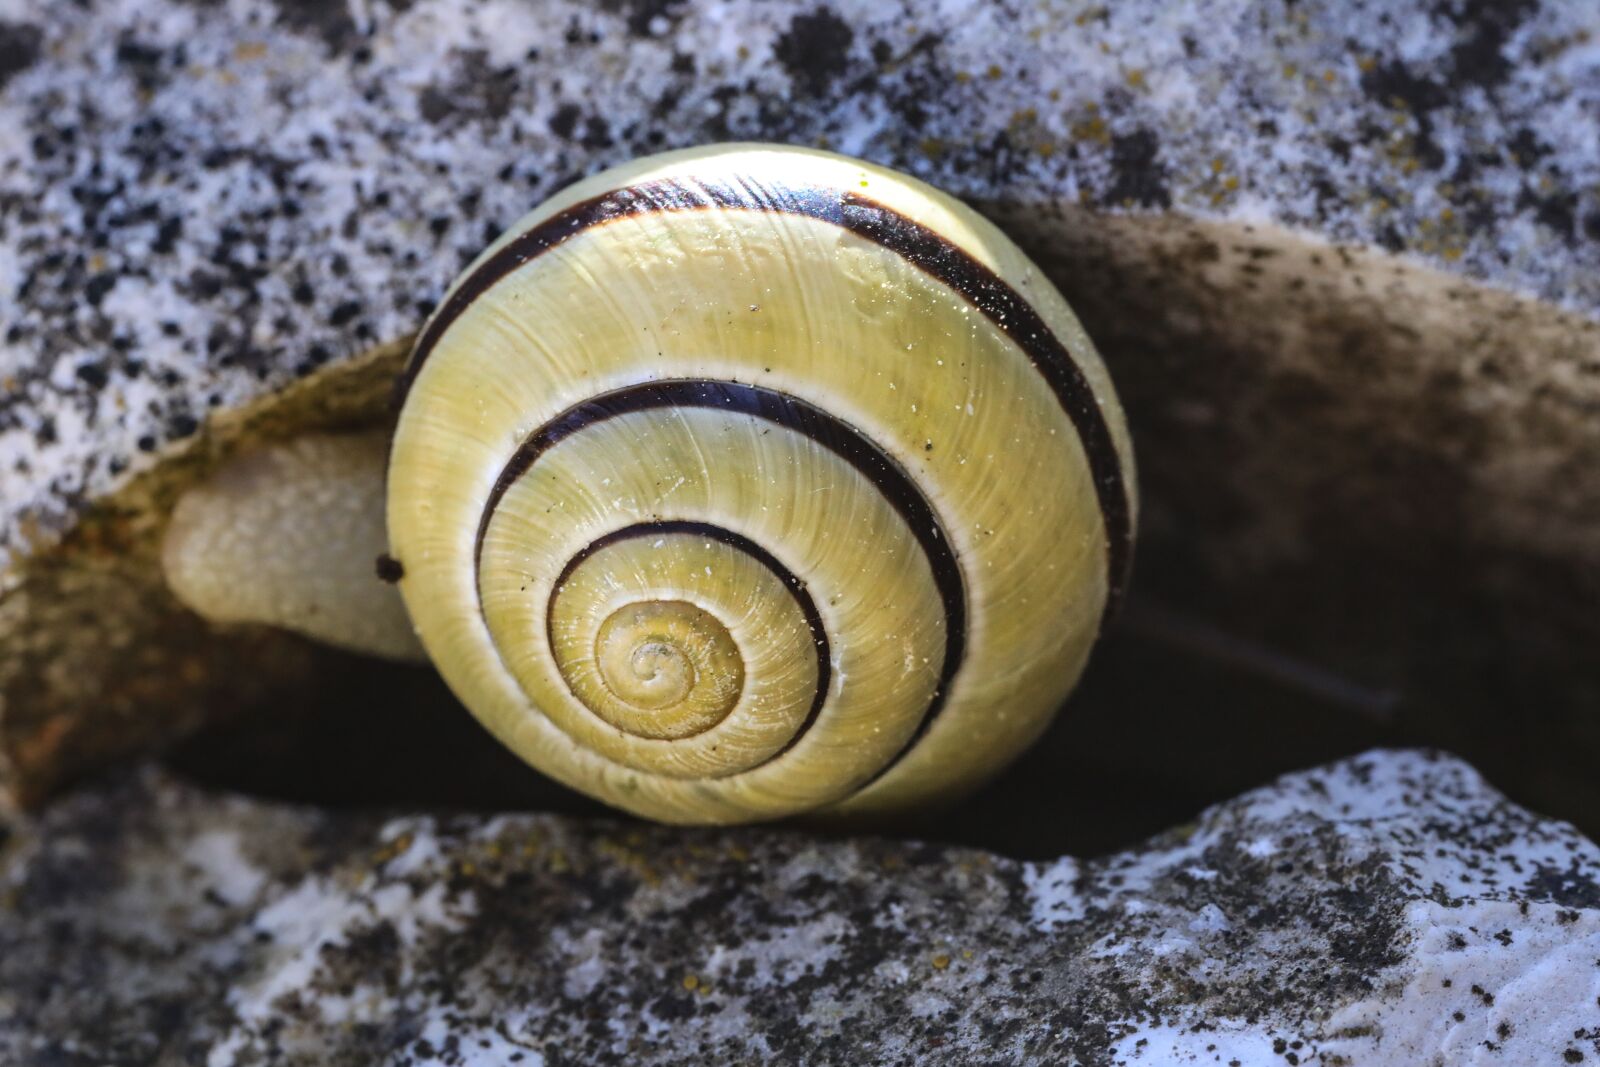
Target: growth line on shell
{"points": [[797, 589], [790, 412], [930, 252]]}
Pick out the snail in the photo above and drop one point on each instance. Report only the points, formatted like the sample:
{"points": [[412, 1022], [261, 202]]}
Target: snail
{"points": [[743, 482]]}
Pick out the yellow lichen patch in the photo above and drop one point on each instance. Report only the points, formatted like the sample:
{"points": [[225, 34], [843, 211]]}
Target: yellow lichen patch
{"points": [[398, 847], [629, 859], [1091, 129]]}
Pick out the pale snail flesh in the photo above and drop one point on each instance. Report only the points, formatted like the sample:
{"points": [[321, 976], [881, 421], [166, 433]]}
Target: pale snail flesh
{"points": [[745, 481]]}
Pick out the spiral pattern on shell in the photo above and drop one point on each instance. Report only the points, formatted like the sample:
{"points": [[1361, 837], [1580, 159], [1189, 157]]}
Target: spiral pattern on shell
{"points": [[747, 481]]}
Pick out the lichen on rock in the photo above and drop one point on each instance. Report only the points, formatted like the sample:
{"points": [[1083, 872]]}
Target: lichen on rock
{"points": [[1390, 909]]}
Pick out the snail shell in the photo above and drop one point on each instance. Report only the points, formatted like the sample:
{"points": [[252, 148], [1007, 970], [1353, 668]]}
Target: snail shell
{"points": [[747, 481]]}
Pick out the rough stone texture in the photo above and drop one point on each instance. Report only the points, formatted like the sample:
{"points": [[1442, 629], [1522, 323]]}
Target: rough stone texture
{"points": [[1389, 909], [1342, 258]]}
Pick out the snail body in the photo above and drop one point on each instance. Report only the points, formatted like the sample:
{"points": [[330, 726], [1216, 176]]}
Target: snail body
{"points": [[746, 481]]}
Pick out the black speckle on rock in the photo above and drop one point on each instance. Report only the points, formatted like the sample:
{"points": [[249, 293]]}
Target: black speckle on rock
{"points": [[167, 235], [205, 284], [1526, 149], [98, 286], [1395, 85], [815, 50], [1138, 177], [576, 34], [641, 13], [19, 47], [476, 90], [565, 120], [596, 133], [327, 19], [434, 105], [344, 312], [94, 375], [1485, 26], [1571, 888], [182, 425], [142, 60], [1558, 211]]}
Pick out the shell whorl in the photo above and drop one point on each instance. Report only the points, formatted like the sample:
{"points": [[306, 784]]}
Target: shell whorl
{"points": [[742, 482]]}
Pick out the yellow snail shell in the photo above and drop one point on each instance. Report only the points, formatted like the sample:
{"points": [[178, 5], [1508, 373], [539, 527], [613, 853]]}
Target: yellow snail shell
{"points": [[747, 481]]}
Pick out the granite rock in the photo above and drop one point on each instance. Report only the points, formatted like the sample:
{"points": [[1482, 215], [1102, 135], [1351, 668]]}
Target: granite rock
{"points": [[1390, 909], [1341, 256]]}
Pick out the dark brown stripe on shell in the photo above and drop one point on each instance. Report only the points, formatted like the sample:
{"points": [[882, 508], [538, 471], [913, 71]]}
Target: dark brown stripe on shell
{"points": [[797, 589], [804, 418], [875, 222]]}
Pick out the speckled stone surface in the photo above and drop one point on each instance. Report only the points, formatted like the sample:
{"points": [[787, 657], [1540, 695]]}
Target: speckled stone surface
{"points": [[201, 201], [1341, 257], [1387, 910]]}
